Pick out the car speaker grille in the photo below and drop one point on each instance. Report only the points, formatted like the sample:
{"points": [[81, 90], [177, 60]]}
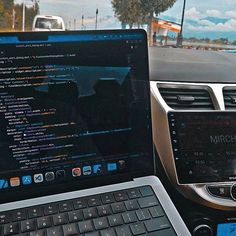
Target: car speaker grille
{"points": [[230, 99], [187, 99]]}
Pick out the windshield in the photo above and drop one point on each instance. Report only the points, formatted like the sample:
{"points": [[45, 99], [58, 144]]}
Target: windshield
{"points": [[45, 23], [201, 25]]}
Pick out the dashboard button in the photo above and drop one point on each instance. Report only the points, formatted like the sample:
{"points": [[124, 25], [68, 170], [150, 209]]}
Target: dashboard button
{"points": [[220, 191], [233, 192], [202, 230]]}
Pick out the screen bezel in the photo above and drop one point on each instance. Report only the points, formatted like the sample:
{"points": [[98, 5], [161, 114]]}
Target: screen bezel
{"points": [[172, 147], [21, 194]]}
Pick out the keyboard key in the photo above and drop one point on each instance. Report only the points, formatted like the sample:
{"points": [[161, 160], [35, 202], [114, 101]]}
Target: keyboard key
{"points": [[156, 211], [138, 228], [147, 202], [107, 198], [123, 230], [35, 212], [71, 229], [28, 225], [92, 234], [133, 193], [94, 201], [100, 223], [108, 232], [121, 196], [115, 220], [37, 233], [55, 231], [146, 191], [19, 215], [5, 218], [79, 204], [90, 213], [118, 207], [85, 226], [165, 232], [131, 205], [60, 219], [143, 214], [44, 222], [51, 209], [11, 229], [157, 224], [75, 216], [104, 210], [129, 217], [65, 206]]}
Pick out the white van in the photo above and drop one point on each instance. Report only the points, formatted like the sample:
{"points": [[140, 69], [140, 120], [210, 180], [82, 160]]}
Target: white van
{"points": [[48, 23]]}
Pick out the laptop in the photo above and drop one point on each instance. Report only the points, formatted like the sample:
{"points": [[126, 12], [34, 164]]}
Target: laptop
{"points": [[76, 137]]}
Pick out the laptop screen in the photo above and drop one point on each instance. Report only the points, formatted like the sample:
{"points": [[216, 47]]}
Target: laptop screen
{"points": [[74, 109]]}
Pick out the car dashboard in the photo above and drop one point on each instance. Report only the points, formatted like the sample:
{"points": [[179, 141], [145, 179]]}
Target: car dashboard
{"points": [[195, 89]]}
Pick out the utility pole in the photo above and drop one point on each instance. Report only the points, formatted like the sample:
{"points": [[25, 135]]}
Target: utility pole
{"points": [[13, 18], [23, 16], [74, 24], [180, 35], [96, 22], [82, 23]]}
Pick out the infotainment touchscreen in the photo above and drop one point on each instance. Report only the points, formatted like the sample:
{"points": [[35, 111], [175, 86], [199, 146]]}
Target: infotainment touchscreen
{"points": [[226, 229], [204, 146]]}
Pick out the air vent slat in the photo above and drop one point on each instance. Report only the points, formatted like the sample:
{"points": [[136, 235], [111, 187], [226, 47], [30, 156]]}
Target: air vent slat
{"points": [[195, 99], [228, 106], [195, 104], [187, 99], [230, 99], [180, 91]]}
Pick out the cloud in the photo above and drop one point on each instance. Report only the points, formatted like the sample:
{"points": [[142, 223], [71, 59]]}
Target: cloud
{"points": [[193, 13], [231, 14], [229, 26], [214, 13], [231, 3], [206, 23]]}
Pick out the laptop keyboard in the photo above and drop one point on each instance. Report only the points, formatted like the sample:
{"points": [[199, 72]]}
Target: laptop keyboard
{"points": [[129, 212]]}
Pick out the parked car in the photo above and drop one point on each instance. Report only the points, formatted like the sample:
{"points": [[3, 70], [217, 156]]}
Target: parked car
{"points": [[48, 23]]}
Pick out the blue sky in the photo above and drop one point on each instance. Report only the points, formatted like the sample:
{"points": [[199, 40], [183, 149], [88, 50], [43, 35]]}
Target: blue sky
{"points": [[209, 18], [204, 18]]}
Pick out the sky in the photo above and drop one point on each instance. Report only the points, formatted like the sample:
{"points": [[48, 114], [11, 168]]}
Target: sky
{"points": [[204, 18], [209, 18]]}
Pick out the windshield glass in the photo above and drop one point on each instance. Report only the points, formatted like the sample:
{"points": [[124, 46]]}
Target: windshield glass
{"points": [[45, 23], [201, 25]]}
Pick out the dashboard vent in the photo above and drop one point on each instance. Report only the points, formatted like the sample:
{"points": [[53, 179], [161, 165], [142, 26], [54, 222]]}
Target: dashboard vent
{"points": [[187, 99], [230, 99]]}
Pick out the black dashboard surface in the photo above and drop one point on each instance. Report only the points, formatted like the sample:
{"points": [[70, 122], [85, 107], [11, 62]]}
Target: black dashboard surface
{"points": [[190, 65]]}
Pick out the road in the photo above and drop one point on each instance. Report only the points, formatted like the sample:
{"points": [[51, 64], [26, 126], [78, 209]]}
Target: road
{"points": [[189, 65]]}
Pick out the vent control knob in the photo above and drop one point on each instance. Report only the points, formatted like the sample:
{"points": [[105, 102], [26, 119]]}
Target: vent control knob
{"points": [[202, 230]]}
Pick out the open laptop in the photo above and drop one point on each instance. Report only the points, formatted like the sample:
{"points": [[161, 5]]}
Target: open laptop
{"points": [[76, 137]]}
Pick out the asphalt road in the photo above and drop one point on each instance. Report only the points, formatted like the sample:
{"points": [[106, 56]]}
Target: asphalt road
{"points": [[189, 65]]}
